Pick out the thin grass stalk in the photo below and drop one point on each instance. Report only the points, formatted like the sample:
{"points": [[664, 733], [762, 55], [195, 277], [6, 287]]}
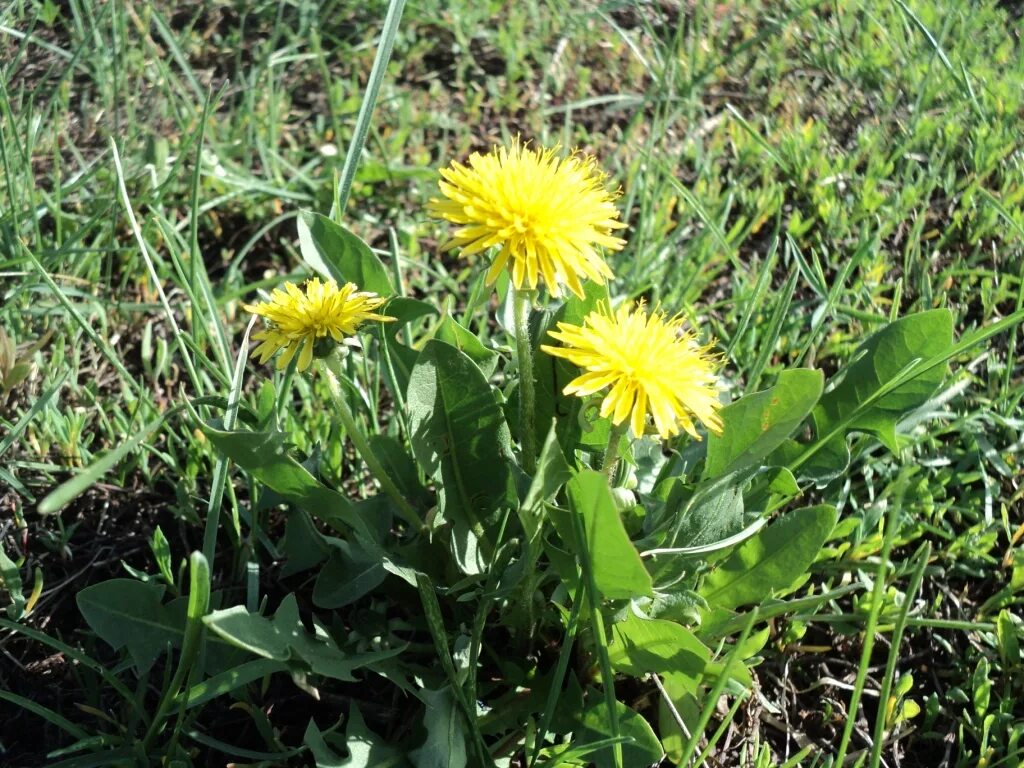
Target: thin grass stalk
{"points": [[435, 623], [355, 148], [721, 730], [222, 346], [711, 701], [891, 529], [151, 268], [220, 469], [894, 651], [555, 691]]}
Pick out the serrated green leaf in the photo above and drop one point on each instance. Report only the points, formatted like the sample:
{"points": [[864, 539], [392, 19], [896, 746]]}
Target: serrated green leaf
{"points": [[285, 639], [323, 755], [347, 576], [263, 455], [362, 747], [126, 613], [304, 546]]}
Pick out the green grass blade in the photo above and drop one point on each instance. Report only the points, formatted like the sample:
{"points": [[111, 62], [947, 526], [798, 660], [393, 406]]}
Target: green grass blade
{"points": [[895, 642], [892, 527], [377, 73], [40, 403], [44, 712]]}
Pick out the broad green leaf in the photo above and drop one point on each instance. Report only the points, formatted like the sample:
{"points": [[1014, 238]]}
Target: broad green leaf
{"points": [[323, 754], [553, 471], [879, 360], [336, 253], [460, 438], [445, 746], [552, 374], [1008, 642], [304, 546], [347, 576], [451, 332], [618, 570], [401, 468], [130, 614], [707, 514], [365, 748], [643, 749], [771, 560], [682, 691], [643, 646], [399, 358], [757, 424], [405, 310], [782, 482], [263, 455], [284, 638]]}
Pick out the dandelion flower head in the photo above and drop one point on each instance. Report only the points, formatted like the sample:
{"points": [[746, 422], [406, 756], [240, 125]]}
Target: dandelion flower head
{"points": [[300, 318], [548, 213], [648, 363]]}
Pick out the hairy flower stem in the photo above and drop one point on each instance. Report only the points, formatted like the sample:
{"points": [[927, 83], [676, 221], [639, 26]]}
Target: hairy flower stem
{"points": [[611, 453], [332, 373], [521, 301]]}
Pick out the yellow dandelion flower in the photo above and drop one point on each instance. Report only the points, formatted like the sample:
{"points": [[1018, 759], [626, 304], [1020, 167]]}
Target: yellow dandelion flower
{"points": [[546, 212], [299, 319], [651, 364]]}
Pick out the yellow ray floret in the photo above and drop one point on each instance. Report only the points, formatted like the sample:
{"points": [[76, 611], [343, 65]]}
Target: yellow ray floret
{"points": [[648, 363], [547, 213], [298, 319]]}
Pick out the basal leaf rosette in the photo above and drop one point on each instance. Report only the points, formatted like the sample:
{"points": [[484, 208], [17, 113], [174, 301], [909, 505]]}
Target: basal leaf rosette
{"points": [[548, 214], [646, 364], [310, 321]]}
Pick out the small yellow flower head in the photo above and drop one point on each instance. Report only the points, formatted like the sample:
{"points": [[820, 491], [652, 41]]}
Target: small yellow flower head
{"points": [[546, 212], [299, 320], [652, 365]]}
